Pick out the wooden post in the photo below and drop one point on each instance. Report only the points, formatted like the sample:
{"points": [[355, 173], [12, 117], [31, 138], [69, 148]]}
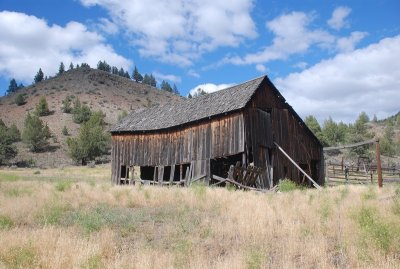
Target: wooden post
{"points": [[378, 163], [298, 167]]}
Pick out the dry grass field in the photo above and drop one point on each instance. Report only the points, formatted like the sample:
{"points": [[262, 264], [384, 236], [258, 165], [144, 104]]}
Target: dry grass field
{"points": [[75, 218]]}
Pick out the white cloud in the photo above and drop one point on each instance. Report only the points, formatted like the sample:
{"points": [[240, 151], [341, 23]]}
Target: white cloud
{"points": [[301, 65], [107, 26], [170, 77], [193, 73], [366, 79], [210, 87], [28, 43], [292, 36], [261, 68], [179, 31], [347, 44], [338, 19]]}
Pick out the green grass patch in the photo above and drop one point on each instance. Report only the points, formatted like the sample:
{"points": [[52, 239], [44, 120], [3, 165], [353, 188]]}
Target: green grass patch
{"points": [[199, 189], [53, 213], [63, 185], [9, 177], [20, 257], [6, 222], [17, 192], [94, 219], [254, 258], [287, 185], [93, 262], [369, 194], [375, 229]]}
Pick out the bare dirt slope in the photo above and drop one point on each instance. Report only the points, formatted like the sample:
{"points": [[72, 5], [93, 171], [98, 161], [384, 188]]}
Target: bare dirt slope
{"points": [[100, 90]]}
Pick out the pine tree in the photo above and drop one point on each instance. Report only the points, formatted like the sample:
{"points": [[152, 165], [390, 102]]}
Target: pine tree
{"points": [[64, 130], [103, 65], [165, 86], [66, 105], [42, 108], [136, 75], [13, 87], [71, 66], [39, 76], [35, 133], [20, 99], [114, 70], [61, 69], [153, 81], [175, 90], [146, 79], [190, 96], [92, 140], [7, 150], [81, 113]]}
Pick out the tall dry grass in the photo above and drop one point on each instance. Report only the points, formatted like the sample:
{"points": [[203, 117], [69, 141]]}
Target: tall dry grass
{"points": [[55, 219]]}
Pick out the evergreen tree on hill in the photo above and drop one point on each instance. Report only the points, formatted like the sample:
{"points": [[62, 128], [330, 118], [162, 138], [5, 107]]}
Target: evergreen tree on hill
{"points": [[136, 75], [166, 87], [13, 87], [7, 150], [39, 76], [61, 69], [35, 133], [42, 108], [92, 140]]}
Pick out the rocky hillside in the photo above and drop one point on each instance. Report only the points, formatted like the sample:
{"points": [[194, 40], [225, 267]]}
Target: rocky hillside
{"points": [[100, 90]]}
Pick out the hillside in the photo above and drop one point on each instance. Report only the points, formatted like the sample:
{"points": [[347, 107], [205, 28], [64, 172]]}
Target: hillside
{"points": [[100, 90]]}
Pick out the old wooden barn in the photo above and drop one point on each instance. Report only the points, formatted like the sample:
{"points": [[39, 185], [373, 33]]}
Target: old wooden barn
{"points": [[207, 134]]}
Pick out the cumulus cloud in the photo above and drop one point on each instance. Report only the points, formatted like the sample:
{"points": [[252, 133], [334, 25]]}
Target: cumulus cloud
{"points": [[28, 43], [173, 78], [338, 19], [292, 36], [107, 26], [366, 79], [210, 87], [180, 31], [346, 44], [193, 73], [261, 68]]}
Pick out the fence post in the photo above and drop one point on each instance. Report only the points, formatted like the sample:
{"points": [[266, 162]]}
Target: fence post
{"points": [[378, 163]]}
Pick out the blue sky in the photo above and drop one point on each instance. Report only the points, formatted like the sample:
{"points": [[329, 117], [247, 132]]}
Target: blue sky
{"points": [[328, 58]]}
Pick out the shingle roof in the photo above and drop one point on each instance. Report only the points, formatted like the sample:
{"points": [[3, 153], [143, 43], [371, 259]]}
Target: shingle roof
{"points": [[189, 110]]}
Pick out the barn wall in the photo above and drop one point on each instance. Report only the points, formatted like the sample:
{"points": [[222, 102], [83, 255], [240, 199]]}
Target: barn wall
{"points": [[196, 143], [292, 136]]}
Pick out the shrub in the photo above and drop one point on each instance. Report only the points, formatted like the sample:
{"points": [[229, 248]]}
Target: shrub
{"points": [[81, 113], [91, 142], [66, 105], [5, 222], [65, 131], [287, 185], [63, 185], [20, 99], [7, 150], [35, 133], [42, 108], [20, 257]]}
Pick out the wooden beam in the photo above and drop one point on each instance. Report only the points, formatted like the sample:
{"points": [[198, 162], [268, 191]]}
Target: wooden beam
{"points": [[298, 167], [351, 145]]}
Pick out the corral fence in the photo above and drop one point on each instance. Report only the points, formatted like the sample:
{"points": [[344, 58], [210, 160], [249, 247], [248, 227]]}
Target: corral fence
{"points": [[359, 174]]}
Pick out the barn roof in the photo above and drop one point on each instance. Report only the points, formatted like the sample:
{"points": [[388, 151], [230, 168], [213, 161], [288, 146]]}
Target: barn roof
{"points": [[190, 110]]}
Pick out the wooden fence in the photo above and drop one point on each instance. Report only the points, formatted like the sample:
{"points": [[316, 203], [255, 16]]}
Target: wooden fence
{"points": [[361, 174]]}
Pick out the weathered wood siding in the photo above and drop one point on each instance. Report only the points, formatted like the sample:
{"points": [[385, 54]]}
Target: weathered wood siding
{"points": [[291, 134], [195, 144]]}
